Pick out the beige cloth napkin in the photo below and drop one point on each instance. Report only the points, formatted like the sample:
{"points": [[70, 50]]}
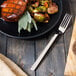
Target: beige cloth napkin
{"points": [[13, 66]]}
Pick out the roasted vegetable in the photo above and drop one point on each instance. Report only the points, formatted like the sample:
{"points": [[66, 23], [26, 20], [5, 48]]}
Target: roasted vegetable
{"points": [[36, 4], [52, 9], [39, 17], [42, 2], [37, 10], [30, 9], [47, 18], [42, 9], [46, 4], [12, 10]]}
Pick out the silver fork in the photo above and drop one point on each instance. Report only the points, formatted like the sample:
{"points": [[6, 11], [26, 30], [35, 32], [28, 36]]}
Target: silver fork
{"points": [[63, 26]]}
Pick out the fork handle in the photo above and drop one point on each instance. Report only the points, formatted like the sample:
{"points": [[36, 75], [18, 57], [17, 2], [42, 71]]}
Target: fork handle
{"points": [[35, 65]]}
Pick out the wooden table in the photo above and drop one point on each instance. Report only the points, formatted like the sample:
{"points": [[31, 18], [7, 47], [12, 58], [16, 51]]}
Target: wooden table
{"points": [[25, 52]]}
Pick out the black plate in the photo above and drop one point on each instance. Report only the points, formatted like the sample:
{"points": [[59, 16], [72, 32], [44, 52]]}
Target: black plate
{"points": [[11, 29]]}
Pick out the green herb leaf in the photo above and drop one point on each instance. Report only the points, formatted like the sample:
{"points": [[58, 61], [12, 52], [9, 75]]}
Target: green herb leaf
{"points": [[26, 22], [29, 27], [22, 23], [29, 17], [34, 23]]}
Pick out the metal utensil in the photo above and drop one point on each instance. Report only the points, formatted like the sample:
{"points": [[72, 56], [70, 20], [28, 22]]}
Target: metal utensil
{"points": [[63, 26]]}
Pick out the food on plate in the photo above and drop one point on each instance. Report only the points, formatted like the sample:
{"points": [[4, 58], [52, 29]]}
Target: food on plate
{"points": [[41, 17], [41, 7], [26, 22], [36, 4], [12, 10], [39, 10], [5, 70], [52, 9]]}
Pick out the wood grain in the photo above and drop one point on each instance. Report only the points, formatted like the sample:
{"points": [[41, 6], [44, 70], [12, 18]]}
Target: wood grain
{"points": [[21, 52], [41, 70], [70, 69], [58, 57], [54, 60], [3, 44]]}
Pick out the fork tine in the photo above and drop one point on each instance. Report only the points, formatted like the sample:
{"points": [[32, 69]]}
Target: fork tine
{"points": [[66, 20], [63, 21]]}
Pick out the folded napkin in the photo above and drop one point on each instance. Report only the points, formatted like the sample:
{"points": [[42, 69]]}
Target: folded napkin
{"points": [[11, 66]]}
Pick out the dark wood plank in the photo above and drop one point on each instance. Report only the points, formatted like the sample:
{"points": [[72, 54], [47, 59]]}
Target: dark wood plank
{"points": [[40, 44], [58, 57], [73, 7], [55, 59], [67, 37], [21, 52], [3, 44]]}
